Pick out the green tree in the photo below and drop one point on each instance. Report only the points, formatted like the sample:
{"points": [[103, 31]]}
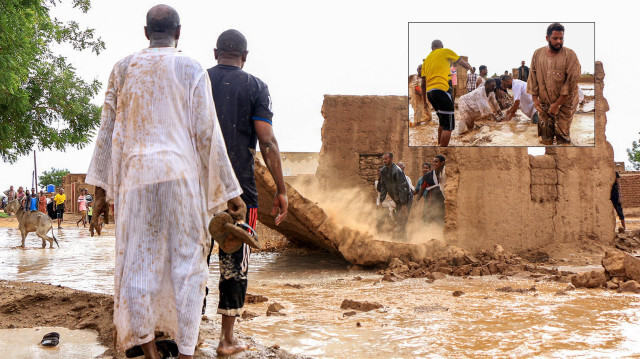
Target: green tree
{"points": [[53, 176], [43, 103], [634, 155]]}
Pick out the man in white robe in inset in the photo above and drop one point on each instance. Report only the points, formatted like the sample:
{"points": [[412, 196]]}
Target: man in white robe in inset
{"points": [[521, 99], [160, 157], [478, 104]]}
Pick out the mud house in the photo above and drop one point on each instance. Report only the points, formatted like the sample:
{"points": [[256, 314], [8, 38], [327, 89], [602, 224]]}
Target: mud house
{"points": [[73, 183]]}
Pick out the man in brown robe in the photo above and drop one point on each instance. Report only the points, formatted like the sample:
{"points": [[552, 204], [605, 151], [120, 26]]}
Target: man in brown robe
{"points": [[553, 84]]}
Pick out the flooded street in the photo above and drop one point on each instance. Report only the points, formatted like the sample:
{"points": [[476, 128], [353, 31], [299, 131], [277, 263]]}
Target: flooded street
{"points": [[418, 319], [519, 131]]}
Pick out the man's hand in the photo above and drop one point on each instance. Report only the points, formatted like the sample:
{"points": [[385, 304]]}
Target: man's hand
{"points": [[237, 209], [554, 108], [507, 117], [280, 207], [536, 103], [100, 206]]}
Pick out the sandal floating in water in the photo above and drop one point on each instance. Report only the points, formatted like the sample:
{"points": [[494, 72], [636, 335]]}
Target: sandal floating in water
{"points": [[50, 340]]}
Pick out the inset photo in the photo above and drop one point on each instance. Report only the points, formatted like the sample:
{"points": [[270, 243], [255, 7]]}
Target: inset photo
{"points": [[502, 84]]}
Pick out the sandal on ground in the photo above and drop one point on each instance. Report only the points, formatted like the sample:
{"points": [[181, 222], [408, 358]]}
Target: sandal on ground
{"points": [[50, 339], [167, 348]]}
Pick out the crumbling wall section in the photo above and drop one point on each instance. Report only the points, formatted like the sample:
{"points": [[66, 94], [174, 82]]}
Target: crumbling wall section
{"points": [[461, 87], [492, 197], [585, 177]]}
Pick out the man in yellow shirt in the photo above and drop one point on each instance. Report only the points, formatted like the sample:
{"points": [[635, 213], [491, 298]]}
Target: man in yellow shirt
{"points": [[436, 72], [60, 198]]}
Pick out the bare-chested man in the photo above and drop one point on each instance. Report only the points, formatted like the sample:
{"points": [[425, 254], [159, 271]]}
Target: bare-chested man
{"points": [[553, 84]]}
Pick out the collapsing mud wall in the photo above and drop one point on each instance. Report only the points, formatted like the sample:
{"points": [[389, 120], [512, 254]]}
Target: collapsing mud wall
{"points": [[493, 195], [307, 224]]}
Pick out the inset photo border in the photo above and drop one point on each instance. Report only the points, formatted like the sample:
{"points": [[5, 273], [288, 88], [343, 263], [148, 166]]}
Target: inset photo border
{"points": [[548, 101]]}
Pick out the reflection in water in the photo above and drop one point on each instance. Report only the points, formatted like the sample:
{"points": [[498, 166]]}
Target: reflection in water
{"points": [[419, 319]]}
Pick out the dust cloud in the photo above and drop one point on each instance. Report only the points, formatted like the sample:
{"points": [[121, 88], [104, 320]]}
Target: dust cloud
{"points": [[355, 208]]}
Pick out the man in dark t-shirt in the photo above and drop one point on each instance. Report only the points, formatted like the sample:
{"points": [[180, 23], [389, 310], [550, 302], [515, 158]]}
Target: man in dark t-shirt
{"points": [[243, 107], [617, 200]]}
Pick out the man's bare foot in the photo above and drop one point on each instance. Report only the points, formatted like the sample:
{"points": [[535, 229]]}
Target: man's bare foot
{"points": [[230, 348]]}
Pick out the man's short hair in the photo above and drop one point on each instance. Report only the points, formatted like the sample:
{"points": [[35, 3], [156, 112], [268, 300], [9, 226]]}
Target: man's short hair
{"points": [[427, 163], [482, 67], [489, 81], [556, 26], [163, 19], [505, 77], [436, 44], [231, 42], [473, 68], [441, 157], [388, 153]]}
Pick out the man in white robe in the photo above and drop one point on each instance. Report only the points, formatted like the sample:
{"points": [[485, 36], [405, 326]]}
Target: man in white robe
{"points": [[478, 104], [160, 157], [521, 99]]}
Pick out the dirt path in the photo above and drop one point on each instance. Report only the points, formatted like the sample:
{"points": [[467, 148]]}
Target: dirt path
{"points": [[28, 304]]}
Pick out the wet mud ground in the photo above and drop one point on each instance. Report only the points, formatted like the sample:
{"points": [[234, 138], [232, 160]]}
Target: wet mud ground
{"points": [[417, 319], [519, 131]]}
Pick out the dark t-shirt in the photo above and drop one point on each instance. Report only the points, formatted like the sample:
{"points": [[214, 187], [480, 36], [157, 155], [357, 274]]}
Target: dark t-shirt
{"points": [[240, 99], [615, 191]]}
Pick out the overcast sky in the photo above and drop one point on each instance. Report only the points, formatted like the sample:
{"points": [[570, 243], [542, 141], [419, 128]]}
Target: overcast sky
{"points": [[304, 50]]}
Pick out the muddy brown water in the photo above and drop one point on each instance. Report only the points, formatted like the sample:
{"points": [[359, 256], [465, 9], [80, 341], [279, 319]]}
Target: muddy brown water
{"points": [[519, 131], [418, 320]]}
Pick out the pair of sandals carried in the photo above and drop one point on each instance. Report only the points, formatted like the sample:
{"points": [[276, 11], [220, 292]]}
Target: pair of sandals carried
{"points": [[167, 348]]}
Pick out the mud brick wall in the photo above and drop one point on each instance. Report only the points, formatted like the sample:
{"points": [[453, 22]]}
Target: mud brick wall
{"points": [[630, 190], [370, 164], [493, 195]]}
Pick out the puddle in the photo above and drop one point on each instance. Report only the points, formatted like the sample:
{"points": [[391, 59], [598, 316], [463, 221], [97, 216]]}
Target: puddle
{"points": [[25, 343]]}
